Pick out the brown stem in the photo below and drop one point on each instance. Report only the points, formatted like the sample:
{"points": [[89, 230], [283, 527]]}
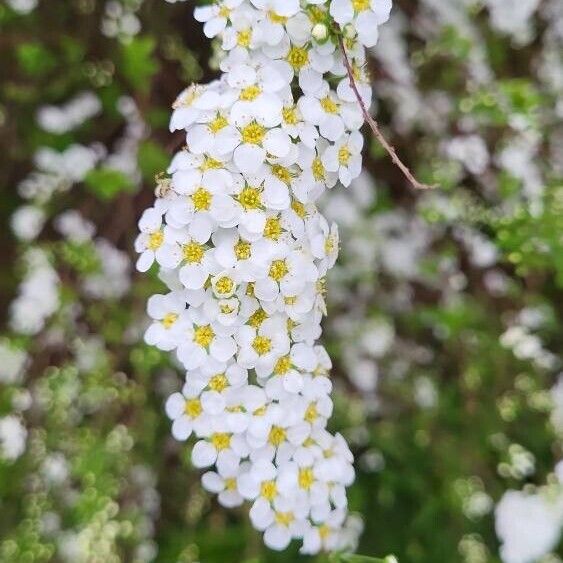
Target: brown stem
{"points": [[374, 125]]}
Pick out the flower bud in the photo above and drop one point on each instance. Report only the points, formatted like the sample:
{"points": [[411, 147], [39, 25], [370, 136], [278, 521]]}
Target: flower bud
{"points": [[320, 32]]}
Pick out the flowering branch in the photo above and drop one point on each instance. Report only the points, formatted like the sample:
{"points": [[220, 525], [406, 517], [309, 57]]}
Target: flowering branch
{"points": [[374, 125]]}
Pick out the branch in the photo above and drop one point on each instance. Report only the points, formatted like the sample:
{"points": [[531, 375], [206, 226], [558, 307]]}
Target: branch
{"points": [[374, 125]]}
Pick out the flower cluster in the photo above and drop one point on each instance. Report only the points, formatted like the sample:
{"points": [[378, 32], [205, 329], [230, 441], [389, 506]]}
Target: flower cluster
{"points": [[244, 251]]}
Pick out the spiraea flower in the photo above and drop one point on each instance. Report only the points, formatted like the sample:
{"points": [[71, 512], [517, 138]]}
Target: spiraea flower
{"points": [[245, 251]]}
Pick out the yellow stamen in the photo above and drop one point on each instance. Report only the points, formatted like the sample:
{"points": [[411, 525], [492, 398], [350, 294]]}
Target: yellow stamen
{"points": [[201, 199], [193, 408], [250, 198], [262, 345], [169, 319], [277, 436], [278, 270], [221, 441], [242, 250], [193, 252], [253, 134], [218, 382], [306, 478], [269, 490], [204, 335], [155, 240]]}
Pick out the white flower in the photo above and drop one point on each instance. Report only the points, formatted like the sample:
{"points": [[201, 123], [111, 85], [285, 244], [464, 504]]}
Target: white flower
{"points": [[345, 157], [165, 310], [200, 339], [282, 522], [224, 484], [216, 16], [27, 222], [277, 13], [255, 141], [261, 348], [368, 15], [285, 273], [151, 241], [325, 536], [333, 116], [186, 412], [528, 525], [259, 92], [244, 251], [13, 437], [221, 448]]}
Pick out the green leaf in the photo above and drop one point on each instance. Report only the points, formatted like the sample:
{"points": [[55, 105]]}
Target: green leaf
{"points": [[107, 183], [152, 160], [138, 63], [35, 59]]}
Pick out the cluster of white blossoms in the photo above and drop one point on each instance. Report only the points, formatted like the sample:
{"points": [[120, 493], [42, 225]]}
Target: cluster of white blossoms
{"points": [[244, 251]]}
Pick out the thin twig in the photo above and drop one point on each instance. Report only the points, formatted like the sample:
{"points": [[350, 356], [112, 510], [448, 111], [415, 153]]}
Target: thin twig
{"points": [[374, 125]]}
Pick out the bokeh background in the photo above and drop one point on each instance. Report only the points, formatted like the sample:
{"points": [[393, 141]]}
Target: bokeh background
{"points": [[445, 308]]}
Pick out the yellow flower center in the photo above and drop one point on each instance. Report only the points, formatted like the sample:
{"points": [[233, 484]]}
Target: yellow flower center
{"points": [[242, 250], [220, 122], [361, 5], [243, 38], [317, 14], [250, 198], [330, 245], [257, 318], [283, 365], [277, 436], [253, 134], [276, 18], [284, 518], [329, 105], [299, 209], [311, 414], [324, 531], [193, 252], [204, 335], [231, 484], [193, 408], [321, 286], [224, 285], [344, 155], [250, 93], [273, 228], [155, 240], [226, 309], [169, 319], [278, 270], [201, 199], [224, 12], [268, 490], [290, 300], [298, 57], [290, 115], [306, 478], [262, 345], [218, 382], [260, 411], [221, 441], [282, 173], [318, 169], [210, 163]]}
